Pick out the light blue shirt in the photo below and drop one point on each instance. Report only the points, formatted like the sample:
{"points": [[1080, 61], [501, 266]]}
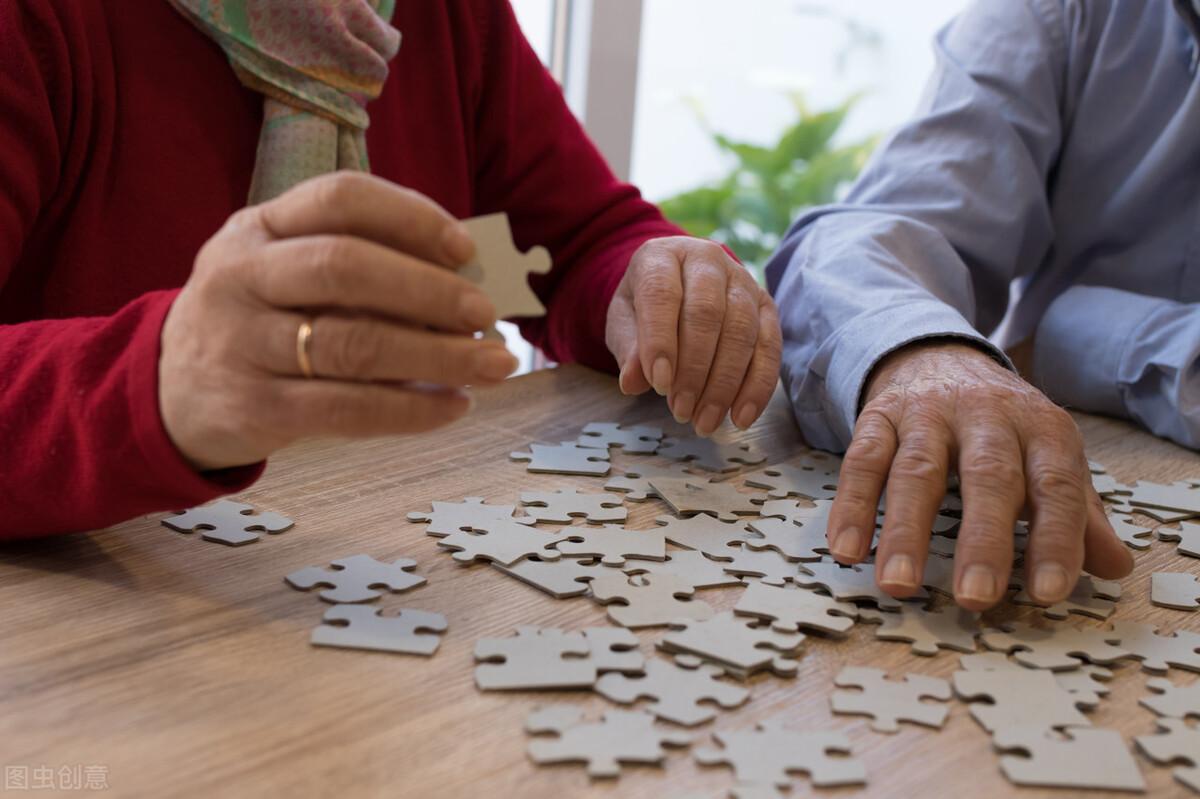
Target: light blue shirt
{"points": [[1056, 152]]}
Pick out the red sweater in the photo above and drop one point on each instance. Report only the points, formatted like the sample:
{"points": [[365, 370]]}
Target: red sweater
{"points": [[125, 143]]}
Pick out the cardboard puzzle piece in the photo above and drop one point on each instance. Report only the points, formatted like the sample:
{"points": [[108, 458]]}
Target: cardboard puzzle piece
{"points": [[448, 518], [687, 496], [731, 641], [615, 649], [890, 701], [648, 600], [549, 658], [1104, 483], [621, 736], [766, 564], [786, 480], [1057, 648], [1085, 683], [794, 541], [1182, 497], [767, 754], [1171, 700], [561, 579], [635, 440], [1179, 590], [1090, 597], [612, 543], [501, 271], [948, 627], [1135, 536], [797, 512], [688, 565], [409, 632], [1158, 652], [503, 541], [939, 575], [679, 695], [1175, 742], [709, 455], [1017, 697], [357, 578], [704, 533], [634, 482], [1188, 536], [567, 504], [1079, 758], [564, 458], [850, 583], [792, 609], [228, 522]]}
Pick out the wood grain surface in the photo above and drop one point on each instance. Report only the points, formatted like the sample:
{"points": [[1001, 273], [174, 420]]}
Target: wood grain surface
{"points": [[184, 666]]}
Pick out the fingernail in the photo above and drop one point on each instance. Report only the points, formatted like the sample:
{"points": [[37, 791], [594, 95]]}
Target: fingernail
{"points": [[683, 407], [458, 244], [660, 375], [899, 571], [477, 310], [746, 415], [1050, 582], [847, 543], [978, 584], [708, 420], [494, 364]]}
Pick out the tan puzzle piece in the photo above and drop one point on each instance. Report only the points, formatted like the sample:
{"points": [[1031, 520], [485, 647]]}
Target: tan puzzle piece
{"points": [[708, 454], [635, 440], [501, 271], [448, 518], [766, 564], [767, 754], [612, 543], [1187, 536], [795, 542], [797, 511], [728, 640], [1135, 536], [1158, 652], [679, 695], [1018, 697], [791, 609], [634, 482], [567, 504], [565, 458], [690, 495], [703, 533], [1085, 683], [850, 583], [1181, 497], [1080, 758], [1091, 596], [227, 522], [1179, 590], [562, 578], [785, 480], [357, 578], [621, 736], [503, 541], [690, 566], [549, 658], [890, 701], [1057, 648], [927, 630], [648, 600], [408, 632], [1171, 700], [1176, 741]]}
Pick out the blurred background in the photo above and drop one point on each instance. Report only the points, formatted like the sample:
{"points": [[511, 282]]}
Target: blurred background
{"points": [[734, 117]]}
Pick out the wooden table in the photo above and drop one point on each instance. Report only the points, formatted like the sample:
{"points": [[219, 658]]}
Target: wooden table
{"points": [[184, 667]]}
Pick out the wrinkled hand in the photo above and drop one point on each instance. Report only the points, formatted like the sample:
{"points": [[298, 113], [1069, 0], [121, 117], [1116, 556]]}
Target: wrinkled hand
{"points": [[372, 265], [691, 323], [935, 407]]}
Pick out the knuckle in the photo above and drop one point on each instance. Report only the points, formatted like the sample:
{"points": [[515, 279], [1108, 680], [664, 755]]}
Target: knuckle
{"points": [[335, 191], [987, 465], [704, 312], [356, 350], [1058, 481], [918, 463]]}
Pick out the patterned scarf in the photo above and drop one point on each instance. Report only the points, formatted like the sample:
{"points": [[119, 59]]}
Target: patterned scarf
{"points": [[317, 62]]}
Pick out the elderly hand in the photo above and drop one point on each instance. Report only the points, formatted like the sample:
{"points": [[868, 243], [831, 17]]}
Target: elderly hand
{"points": [[933, 407], [691, 323], [371, 266]]}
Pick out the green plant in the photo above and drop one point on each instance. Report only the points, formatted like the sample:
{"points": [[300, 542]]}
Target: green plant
{"points": [[751, 207]]}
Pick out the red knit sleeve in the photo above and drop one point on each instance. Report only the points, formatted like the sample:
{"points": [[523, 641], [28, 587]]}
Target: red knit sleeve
{"points": [[536, 162], [82, 445]]}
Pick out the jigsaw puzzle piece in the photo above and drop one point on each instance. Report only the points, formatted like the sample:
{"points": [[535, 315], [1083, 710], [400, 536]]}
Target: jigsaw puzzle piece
{"points": [[648, 600], [1058, 648], [1176, 741], [927, 630], [566, 505], [634, 481], [562, 578], [612, 544], [792, 609], [621, 736], [708, 454], [448, 518], [767, 754], [850, 583], [1179, 590], [1090, 597], [1078, 758], [690, 566], [890, 701], [703, 533], [503, 541], [1157, 652], [786, 480], [635, 440], [805, 542], [501, 271], [227, 522], [1171, 700], [734, 642], [534, 659], [678, 693], [1019, 697], [410, 632], [1187, 536], [688, 496], [357, 578]]}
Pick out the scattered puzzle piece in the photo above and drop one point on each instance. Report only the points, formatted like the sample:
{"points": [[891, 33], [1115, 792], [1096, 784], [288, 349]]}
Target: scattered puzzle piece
{"points": [[635, 481], [648, 600], [565, 458], [1157, 652], [690, 566], [1019, 697], [1083, 683], [503, 541], [767, 565], [677, 692], [703, 533], [1134, 535], [791, 609], [228, 522], [636, 440], [793, 541], [357, 578], [927, 630], [562, 578], [766, 754], [730, 641], [1079, 758], [1182, 497], [1090, 597], [612, 543], [1178, 590], [1171, 700], [1056, 648], [1175, 741], [850, 583], [549, 658], [448, 518], [410, 632], [708, 454], [890, 701], [812, 513], [690, 495], [621, 736], [1188, 536], [564, 505], [501, 271], [785, 480]]}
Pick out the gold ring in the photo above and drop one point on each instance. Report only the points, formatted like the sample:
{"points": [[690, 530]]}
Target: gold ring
{"points": [[303, 346]]}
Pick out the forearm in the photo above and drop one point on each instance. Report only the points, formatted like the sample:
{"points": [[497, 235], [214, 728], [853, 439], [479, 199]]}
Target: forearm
{"points": [[84, 445]]}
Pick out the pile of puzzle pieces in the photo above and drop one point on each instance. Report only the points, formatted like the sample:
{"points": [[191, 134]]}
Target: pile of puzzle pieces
{"points": [[732, 521]]}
